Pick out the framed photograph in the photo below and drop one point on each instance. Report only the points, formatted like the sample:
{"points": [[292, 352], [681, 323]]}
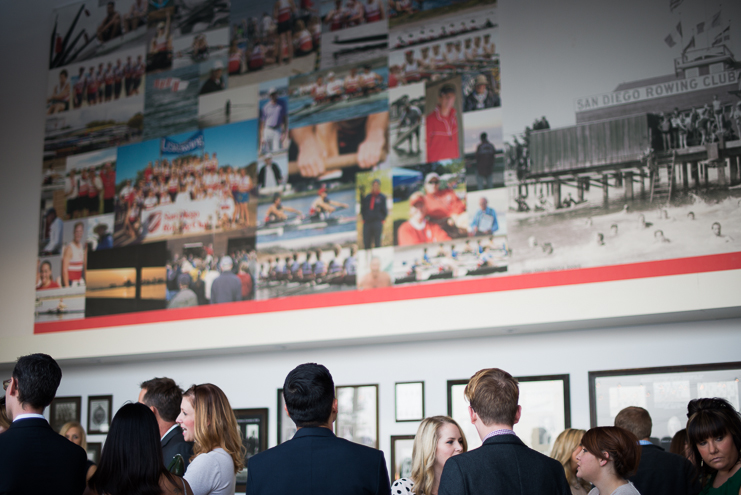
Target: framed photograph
{"points": [[286, 426], [99, 413], [663, 391], [93, 451], [401, 456], [63, 410], [357, 418], [410, 401], [546, 410], [253, 425]]}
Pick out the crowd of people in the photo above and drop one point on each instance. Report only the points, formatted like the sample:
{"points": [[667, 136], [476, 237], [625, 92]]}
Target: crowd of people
{"points": [[171, 441], [199, 278], [694, 127], [181, 181], [291, 31], [108, 83], [431, 64]]}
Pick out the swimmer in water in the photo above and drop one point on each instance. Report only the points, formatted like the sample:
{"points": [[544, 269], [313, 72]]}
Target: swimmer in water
{"points": [[659, 237], [716, 233], [691, 215], [600, 239], [613, 230], [643, 223]]}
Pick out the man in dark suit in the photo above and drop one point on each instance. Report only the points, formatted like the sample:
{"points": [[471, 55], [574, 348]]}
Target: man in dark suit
{"points": [[315, 461], [503, 464], [35, 458], [163, 397], [659, 472], [374, 212]]}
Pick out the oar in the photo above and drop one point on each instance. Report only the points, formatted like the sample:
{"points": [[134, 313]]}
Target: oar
{"points": [[334, 162]]}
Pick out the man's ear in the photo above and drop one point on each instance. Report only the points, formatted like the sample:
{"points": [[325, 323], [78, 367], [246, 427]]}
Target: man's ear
{"points": [[472, 415], [335, 406], [518, 415], [13, 387], [285, 408]]}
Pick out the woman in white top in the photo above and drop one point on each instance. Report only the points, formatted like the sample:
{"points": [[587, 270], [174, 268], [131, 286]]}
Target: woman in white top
{"points": [[437, 440], [207, 419], [608, 456]]}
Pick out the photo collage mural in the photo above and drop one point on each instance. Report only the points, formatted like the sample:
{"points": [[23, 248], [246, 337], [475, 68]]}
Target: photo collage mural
{"points": [[206, 151]]}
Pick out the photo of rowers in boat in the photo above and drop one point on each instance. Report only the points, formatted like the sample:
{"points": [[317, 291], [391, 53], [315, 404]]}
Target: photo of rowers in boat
{"points": [[174, 32], [340, 93], [403, 12], [91, 29], [434, 50]]}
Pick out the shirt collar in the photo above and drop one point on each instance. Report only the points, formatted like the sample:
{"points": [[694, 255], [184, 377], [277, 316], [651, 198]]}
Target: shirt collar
{"points": [[168, 431], [503, 431], [29, 416], [644, 442]]}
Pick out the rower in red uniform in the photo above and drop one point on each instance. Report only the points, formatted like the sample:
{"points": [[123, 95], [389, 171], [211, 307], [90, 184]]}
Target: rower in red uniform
{"points": [[417, 230], [283, 10], [91, 82], [79, 89], [256, 59], [336, 17], [374, 11], [319, 91], [117, 79], [442, 127], [352, 83], [303, 38], [110, 78]]}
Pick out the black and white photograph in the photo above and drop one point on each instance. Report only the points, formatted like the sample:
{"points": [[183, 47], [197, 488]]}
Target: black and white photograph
{"points": [[410, 401], [407, 136], [93, 451], [63, 410], [286, 426], [618, 169], [225, 107], [401, 456], [253, 426], [99, 414], [357, 416], [354, 45]]}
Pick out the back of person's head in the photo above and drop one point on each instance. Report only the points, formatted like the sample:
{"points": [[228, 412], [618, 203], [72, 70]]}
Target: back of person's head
{"points": [[565, 445], [711, 418], [636, 420], [131, 461], [215, 424], [679, 443], [38, 377], [4, 421], [164, 395], [309, 394], [493, 395], [425, 449], [614, 444], [66, 427]]}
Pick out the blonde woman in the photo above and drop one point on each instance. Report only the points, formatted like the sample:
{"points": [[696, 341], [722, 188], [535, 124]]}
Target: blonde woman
{"points": [[75, 433], [565, 449], [206, 418], [437, 440]]}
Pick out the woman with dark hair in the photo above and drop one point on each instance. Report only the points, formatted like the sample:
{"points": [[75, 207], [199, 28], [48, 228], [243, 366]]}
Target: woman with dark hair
{"points": [[207, 419], [680, 445], [714, 435], [131, 461], [608, 456]]}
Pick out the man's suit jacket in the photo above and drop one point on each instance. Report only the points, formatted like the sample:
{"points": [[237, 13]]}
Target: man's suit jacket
{"points": [[174, 443], [662, 472], [316, 462], [503, 465], [34, 459]]}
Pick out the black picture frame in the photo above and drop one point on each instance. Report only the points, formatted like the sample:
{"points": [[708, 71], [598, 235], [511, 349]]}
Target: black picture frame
{"points": [[397, 471], [253, 426], [396, 402], [93, 451], [286, 426], [63, 410], [686, 380], [344, 431], [99, 414]]}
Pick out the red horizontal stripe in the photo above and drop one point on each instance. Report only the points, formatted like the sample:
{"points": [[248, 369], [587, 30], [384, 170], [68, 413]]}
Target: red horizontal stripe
{"points": [[678, 266]]}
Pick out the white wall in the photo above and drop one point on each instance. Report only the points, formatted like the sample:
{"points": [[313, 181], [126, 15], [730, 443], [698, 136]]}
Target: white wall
{"points": [[250, 380]]}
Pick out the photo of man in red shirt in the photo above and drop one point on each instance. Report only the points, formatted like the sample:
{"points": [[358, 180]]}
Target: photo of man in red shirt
{"points": [[442, 127]]}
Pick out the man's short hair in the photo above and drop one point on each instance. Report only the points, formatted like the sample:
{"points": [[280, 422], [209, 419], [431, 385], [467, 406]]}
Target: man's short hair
{"points": [[38, 377], [164, 395], [636, 420], [483, 135], [309, 394], [493, 395]]}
